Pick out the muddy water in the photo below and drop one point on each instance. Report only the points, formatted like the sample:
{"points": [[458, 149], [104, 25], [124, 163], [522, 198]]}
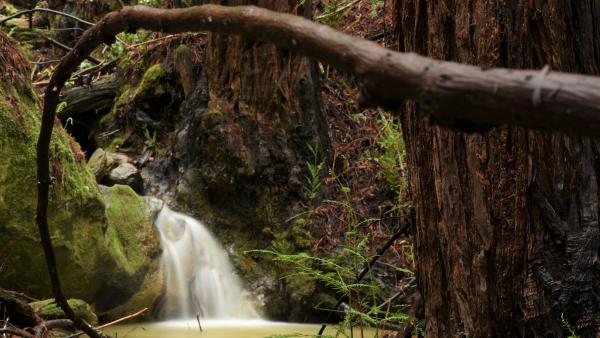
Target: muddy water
{"points": [[223, 329]]}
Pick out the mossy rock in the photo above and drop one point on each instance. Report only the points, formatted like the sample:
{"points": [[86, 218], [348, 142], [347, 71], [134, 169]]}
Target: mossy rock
{"points": [[76, 211], [131, 236], [103, 250], [48, 309], [134, 281]]}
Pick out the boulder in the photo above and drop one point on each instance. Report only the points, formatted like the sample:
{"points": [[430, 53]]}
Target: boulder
{"points": [[76, 211], [126, 174], [135, 281], [105, 244], [48, 309], [99, 164]]}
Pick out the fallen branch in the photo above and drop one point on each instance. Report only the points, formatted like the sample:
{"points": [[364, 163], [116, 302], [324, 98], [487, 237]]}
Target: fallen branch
{"points": [[16, 332], [15, 305], [99, 95], [454, 94], [41, 329]]}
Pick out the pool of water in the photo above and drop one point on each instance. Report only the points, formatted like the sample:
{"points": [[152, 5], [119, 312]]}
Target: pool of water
{"points": [[222, 329]]}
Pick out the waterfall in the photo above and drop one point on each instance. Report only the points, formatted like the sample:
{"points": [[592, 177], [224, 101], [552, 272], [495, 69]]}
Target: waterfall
{"points": [[199, 277]]}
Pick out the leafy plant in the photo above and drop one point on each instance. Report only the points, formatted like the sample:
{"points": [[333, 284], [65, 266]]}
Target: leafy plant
{"points": [[391, 155], [568, 327], [340, 274], [151, 139], [313, 180], [375, 4], [60, 107]]}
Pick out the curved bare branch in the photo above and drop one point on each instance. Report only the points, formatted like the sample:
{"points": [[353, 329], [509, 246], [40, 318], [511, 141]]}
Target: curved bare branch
{"points": [[455, 94]]}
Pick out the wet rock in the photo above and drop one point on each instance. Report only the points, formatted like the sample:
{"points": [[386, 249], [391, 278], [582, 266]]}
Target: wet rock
{"points": [[135, 281], [126, 174], [145, 121]]}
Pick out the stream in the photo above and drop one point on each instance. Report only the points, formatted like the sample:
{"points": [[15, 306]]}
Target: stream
{"points": [[200, 281], [225, 329]]}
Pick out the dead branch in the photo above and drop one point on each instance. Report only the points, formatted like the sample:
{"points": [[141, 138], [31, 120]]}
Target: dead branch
{"points": [[16, 305], [16, 332], [454, 94], [113, 322], [68, 49], [46, 10], [48, 325]]}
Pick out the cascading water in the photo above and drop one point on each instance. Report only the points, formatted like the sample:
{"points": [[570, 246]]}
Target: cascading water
{"points": [[199, 277]]}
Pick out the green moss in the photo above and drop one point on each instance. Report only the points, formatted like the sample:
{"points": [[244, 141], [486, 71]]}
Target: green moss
{"points": [[8, 9], [48, 309], [76, 212], [150, 85], [130, 235]]}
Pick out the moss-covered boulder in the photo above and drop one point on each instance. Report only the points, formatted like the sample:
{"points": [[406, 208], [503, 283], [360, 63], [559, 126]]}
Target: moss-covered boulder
{"points": [[105, 244], [76, 211], [48, 309], [135, 281]]}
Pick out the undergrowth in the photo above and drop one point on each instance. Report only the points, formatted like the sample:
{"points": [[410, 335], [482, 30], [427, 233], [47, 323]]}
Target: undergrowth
{"points": [[366, 304]]}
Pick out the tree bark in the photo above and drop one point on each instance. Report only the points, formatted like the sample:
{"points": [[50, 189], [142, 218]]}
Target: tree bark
{"points": [[508, 231], [261, 115]]}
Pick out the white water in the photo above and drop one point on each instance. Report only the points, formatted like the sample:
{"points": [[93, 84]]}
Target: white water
{"points": [[199, 277]]}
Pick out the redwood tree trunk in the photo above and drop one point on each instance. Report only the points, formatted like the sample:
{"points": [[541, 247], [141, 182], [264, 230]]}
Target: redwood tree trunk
{"points": [[247, 148], [508, 231], [249, 140]]}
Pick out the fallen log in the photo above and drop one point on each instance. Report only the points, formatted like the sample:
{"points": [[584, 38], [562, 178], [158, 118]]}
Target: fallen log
{"points": [[17, 309], [96, 97]]}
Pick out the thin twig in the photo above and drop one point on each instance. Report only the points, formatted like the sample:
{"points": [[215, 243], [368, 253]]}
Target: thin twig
{"points": [[337, 10], [47, 10], [171, 36], [111, 323], [68, 49], [41, 63], [16, 332]]}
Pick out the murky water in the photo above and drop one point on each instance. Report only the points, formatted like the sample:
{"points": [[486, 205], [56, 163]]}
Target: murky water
{"points": [[223, 329]]}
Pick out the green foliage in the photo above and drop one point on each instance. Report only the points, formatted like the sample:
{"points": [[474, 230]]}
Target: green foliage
{"points": [[60, 107], [336, 10], [313, 180], [339, 273], [152, 143], [568, 327], [375, 4], [391, 155], [119, 47]]}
